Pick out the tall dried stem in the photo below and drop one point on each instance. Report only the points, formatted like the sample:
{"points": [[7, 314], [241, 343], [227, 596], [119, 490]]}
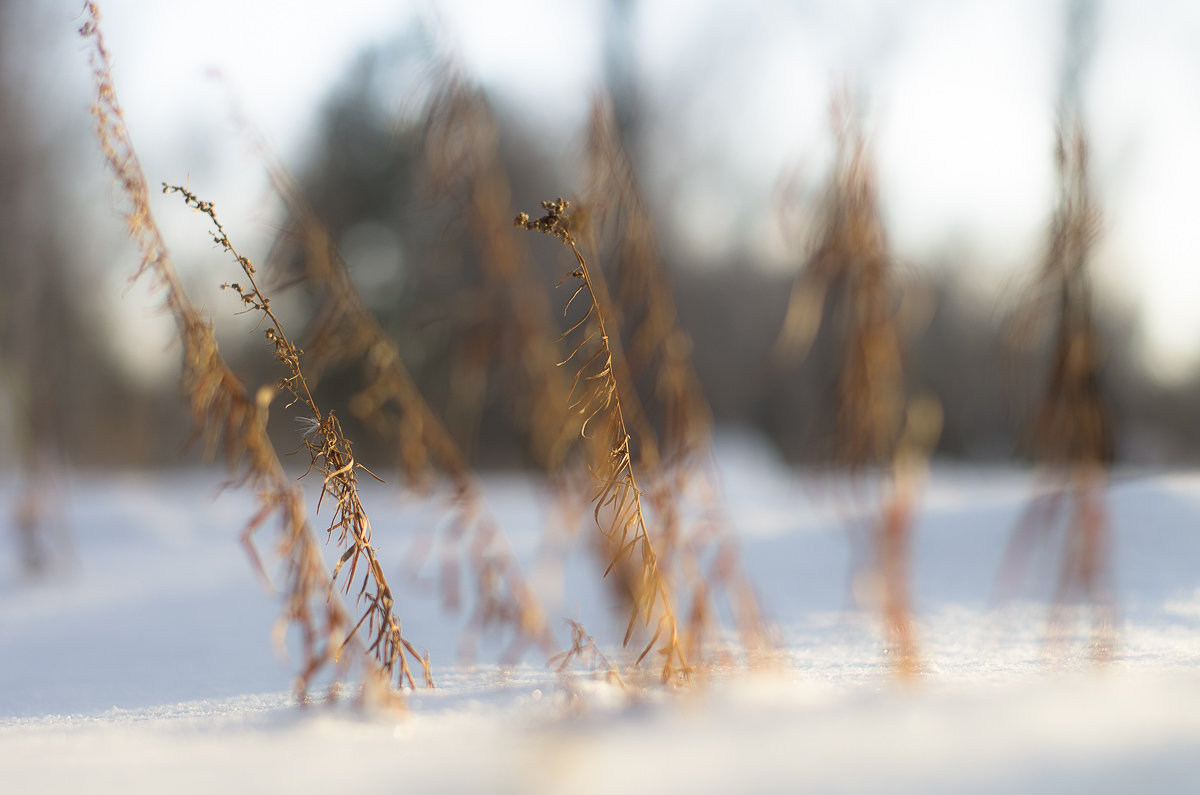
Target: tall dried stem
{"points": [[228, 419], [874, 425], [330, 453], [1071, 433], [513, 316], [657, 348], [600, 402], [658, 353]]}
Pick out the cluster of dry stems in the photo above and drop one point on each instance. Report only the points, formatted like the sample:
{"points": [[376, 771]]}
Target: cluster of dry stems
{"points": [[624, 402], [230, 420]]}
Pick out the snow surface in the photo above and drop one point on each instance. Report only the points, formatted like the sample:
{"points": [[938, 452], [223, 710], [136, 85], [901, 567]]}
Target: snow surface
{"points": [[149, 666]]}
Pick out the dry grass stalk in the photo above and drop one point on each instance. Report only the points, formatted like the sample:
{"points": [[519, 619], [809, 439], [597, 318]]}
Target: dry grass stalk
{"points": [[658, 355], [910, 468], [40, 527], [850, 272], [464, 166], [347, 332], [585, 652], [850, 266], [43, 539], [600, 402], [513, 315], [330, 453], [228, 419], [1071, 434], [656, 348]]}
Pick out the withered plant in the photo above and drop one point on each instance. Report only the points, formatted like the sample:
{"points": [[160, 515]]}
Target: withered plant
{"points": [[29, 330], [43, 542], [330, 453], [229, 420], [511, 340], [512, 324], [1071, 430], [599, 398], [657, 349], [674, 420], [346, 332], [585, 651], [847, 286]]}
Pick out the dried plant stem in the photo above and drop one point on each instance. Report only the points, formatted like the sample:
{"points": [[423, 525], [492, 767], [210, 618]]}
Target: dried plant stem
{"points": [[347, 331], [874, 423], [332, 454], [226, 416], [600, 403], [850, 268], [584, 649], [910, 467], [658, 349], [465, 167], [1071, 433], [512, 316], [41, 529], [658, 354]]}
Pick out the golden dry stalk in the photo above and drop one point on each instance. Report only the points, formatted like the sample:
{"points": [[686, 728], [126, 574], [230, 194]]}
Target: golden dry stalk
{"points": [[228, 419], [585, 651], [656, 347], [513, 318], [849, 271], [1071, 434], [331, 453], [674, 422], [596, 398]]}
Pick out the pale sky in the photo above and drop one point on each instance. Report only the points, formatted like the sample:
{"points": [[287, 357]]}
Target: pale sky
{"points": [[961, 95]]}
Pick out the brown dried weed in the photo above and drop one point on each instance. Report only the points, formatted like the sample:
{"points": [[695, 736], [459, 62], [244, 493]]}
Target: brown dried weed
{"points": [[598, 399], [228, 419], [675, 419], [1071, 434], [848, 286]]}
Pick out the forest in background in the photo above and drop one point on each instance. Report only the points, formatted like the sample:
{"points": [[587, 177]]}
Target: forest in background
{"points": [[67, 401]]}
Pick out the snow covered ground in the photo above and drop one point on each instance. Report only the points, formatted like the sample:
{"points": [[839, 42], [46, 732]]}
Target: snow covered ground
{"points": [[149, 667]]}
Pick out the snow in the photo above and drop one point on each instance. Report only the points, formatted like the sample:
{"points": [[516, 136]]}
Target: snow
{"points": [[149, 667]]}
